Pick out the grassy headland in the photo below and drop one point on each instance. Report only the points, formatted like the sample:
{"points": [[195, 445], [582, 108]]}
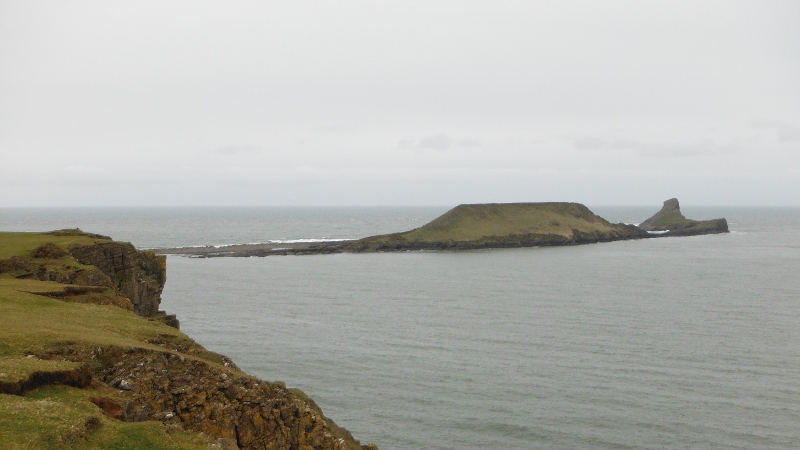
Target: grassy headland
{"points": [[489, 225], [503, 225], [85, 363]]}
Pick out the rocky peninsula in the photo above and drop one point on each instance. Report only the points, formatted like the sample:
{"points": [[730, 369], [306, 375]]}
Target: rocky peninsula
{"points": [[491, 225], [669, 221], [87, 360]]}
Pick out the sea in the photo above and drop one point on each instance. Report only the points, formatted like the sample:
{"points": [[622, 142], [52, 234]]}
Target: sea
{"points": [[666, 343]]}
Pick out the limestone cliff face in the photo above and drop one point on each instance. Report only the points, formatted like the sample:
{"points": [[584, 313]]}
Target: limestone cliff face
{"points": [[236, 411], [173, 386], [137, 275]]}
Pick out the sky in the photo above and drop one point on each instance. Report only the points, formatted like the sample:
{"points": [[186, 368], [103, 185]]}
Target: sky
{"points": [[199, 103]]}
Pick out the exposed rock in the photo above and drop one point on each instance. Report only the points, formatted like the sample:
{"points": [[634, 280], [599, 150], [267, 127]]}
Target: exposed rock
{"points": [[229, 407], [138, 275], [669, 221], [223, 405], [183, 385], [49, 250]]}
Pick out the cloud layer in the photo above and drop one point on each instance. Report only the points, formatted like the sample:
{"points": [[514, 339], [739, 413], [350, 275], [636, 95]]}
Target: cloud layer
{"points": [[395, 102]]}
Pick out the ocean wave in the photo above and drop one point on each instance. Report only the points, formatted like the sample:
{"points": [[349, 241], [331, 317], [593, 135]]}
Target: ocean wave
{"points": [[303, 241], [658, 232], [270, 242]]}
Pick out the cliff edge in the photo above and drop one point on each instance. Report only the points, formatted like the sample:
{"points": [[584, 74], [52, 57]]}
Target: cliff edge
{"points": [[88, 361]]}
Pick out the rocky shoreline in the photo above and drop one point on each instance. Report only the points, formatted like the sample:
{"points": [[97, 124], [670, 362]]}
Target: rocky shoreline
{"points": [[667, 222], [166, 378]]}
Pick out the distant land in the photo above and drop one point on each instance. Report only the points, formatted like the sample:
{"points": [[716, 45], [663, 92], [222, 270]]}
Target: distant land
{"points": [[490, 225], [670, 222]]}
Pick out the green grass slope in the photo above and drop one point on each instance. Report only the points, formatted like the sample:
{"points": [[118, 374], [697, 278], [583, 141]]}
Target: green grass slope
{"points": [[504, 225], [22, 244], [58, 416], [473, 222]]}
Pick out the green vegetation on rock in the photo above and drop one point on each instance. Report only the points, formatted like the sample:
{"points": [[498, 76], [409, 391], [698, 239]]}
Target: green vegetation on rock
{"points": [[87, 361], [504, 225], [671, 222]]}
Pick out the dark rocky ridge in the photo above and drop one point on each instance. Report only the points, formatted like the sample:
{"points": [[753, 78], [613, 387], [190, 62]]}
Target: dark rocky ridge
{"points": [[137, 276], [669, 221]]}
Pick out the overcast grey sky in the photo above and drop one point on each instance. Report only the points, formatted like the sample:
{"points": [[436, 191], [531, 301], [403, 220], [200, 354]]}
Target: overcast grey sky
{"points": [[399, 102]]}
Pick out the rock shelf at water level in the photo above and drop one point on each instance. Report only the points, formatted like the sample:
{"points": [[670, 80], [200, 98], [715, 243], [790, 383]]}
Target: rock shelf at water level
{"points": [[492, 225]]}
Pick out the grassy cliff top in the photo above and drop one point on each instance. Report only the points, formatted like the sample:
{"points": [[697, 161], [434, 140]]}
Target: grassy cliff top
{"points": [[57, 341], [22, 244], [472, 222], [31, 322]]}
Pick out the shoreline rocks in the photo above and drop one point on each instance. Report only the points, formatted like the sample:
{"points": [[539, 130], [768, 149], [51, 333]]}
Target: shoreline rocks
{"points": [[486, 226]]}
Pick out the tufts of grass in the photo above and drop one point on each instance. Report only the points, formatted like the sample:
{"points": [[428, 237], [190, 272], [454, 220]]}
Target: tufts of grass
{"points": [[21, 244]]}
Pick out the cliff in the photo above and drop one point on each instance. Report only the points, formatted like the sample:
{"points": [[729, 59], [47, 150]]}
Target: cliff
{"points": [[83, 259], [669, 221], [498, 225], [79, 370], [136, 275]]}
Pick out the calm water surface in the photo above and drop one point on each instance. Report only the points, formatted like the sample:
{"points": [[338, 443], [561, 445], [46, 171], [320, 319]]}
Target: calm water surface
{"points": [[662, 344]]}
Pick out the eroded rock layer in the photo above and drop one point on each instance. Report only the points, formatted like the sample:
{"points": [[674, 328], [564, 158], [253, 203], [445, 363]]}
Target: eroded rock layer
{"points": [[137, 275], [165, 377], [231, 408]]}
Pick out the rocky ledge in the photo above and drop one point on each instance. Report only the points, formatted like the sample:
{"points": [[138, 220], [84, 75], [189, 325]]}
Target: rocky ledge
{"points": [[669, 221], [150, 372], [175, 387]]}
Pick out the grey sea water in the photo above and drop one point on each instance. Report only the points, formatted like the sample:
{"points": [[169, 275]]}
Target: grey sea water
{"points": [[667, 343]]}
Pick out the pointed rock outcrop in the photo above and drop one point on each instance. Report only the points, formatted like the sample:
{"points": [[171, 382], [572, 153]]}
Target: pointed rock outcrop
{"points": [[671, 222]]}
